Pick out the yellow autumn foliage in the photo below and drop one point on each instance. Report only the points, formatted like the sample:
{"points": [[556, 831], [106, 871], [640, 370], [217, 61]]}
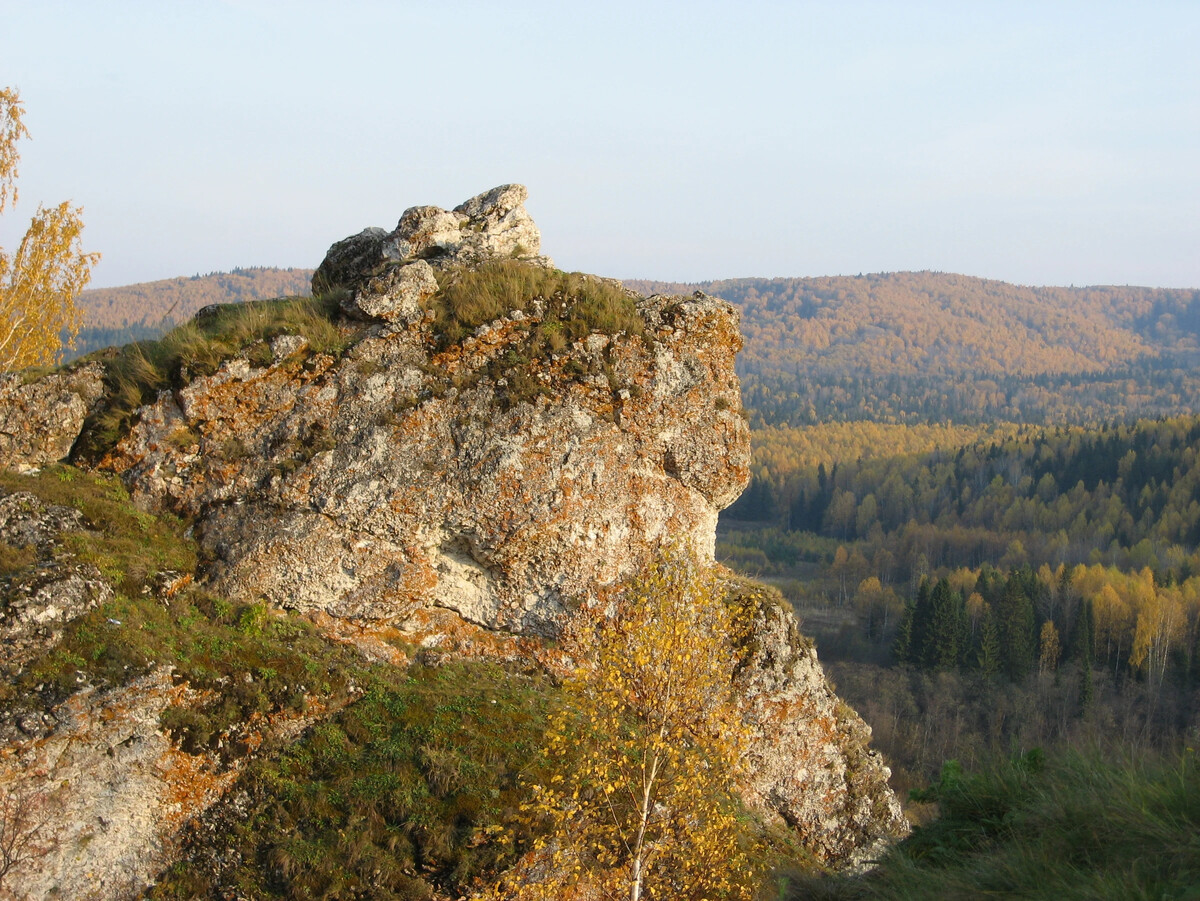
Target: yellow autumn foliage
{"points": [[642, 759], [41, 280]]}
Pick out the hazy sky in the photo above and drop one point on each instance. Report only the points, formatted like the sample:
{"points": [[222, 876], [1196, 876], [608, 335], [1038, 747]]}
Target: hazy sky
{"points": [[1038, 143]]}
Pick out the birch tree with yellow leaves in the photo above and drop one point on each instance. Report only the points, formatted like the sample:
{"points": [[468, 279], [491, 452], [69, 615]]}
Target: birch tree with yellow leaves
{"points": [[641, 761], [41, 280]]}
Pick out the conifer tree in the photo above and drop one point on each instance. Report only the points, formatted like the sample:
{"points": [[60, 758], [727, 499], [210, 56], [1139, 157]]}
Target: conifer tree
{"points": [[1015, 622], [988, 653], [902, 647], [946, 631]]}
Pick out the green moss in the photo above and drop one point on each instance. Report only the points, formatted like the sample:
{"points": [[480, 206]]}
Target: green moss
{"points": [[401, 795], [125, 544]]}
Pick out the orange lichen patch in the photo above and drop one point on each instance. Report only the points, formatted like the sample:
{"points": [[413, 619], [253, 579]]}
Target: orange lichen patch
{"points": [[189, 786], [376, 642], [449, 633], [193, 782]]}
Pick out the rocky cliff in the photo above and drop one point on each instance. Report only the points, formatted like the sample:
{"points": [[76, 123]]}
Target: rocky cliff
{"points": [[485, 444]]}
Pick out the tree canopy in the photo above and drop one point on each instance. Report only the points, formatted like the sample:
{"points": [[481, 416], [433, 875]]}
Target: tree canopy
{"points": [[41, 279]]}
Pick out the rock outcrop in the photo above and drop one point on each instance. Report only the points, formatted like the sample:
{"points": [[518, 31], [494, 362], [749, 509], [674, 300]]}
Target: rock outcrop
{"points": [[41, 418], [809, 758], [105, 790], [40, 601], [396, 479], [497, 479]]}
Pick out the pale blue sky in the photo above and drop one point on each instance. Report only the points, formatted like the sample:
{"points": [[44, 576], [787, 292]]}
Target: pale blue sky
{"points": [[1038, 143]]}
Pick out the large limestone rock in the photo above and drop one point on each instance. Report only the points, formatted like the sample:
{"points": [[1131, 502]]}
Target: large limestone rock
{"points": [[401, 477], [385, 273]]}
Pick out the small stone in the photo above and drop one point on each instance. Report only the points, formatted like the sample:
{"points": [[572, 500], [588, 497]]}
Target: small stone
{"points": [[395, 296], [284, 346]]}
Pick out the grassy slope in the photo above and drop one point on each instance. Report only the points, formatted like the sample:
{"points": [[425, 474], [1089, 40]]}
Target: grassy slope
{"points": [[1074, 827]]}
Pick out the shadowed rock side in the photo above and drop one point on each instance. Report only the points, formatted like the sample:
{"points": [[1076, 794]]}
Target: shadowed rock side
{"points": [[410, 475]]}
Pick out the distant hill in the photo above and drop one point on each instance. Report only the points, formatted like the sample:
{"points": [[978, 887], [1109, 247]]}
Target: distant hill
{"points": [[932, 346], [114, 316]]}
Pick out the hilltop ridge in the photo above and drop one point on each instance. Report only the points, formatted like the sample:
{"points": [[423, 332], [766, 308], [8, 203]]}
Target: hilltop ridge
{"points": [[889, 347]]}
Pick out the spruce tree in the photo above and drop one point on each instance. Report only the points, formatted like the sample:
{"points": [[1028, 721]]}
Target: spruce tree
{"points": [[946, 630], [988, 653]]}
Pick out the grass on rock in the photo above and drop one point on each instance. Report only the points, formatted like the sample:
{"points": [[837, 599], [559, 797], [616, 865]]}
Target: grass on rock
{"points": [[400, 796], [254, 661], [135, 373], [573, 304]]}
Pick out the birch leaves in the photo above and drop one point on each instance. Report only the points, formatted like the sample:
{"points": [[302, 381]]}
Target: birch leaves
{"points": [[41, 280], [638, 800]]}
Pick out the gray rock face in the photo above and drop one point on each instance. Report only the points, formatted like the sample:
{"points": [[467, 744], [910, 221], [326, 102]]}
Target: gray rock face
{"points": [[37, 604], [40, 419], [491, 225], [394, 296], [109, 792]]}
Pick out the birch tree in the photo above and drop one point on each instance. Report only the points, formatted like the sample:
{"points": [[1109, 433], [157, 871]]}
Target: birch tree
{"points": [[638, 801], [40, 281]]}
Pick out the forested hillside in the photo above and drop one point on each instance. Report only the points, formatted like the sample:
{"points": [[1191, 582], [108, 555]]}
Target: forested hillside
{"points": [[1128, 494], [990, 588], [115, 316], [931, 346]]}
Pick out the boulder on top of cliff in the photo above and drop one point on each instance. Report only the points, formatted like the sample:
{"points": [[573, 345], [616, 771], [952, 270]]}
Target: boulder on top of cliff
{"points": [[374, 266]]}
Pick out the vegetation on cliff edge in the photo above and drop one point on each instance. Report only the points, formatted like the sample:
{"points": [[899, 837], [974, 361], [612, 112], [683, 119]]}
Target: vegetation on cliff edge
{"points": [[135, 373], [255, 661]]}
